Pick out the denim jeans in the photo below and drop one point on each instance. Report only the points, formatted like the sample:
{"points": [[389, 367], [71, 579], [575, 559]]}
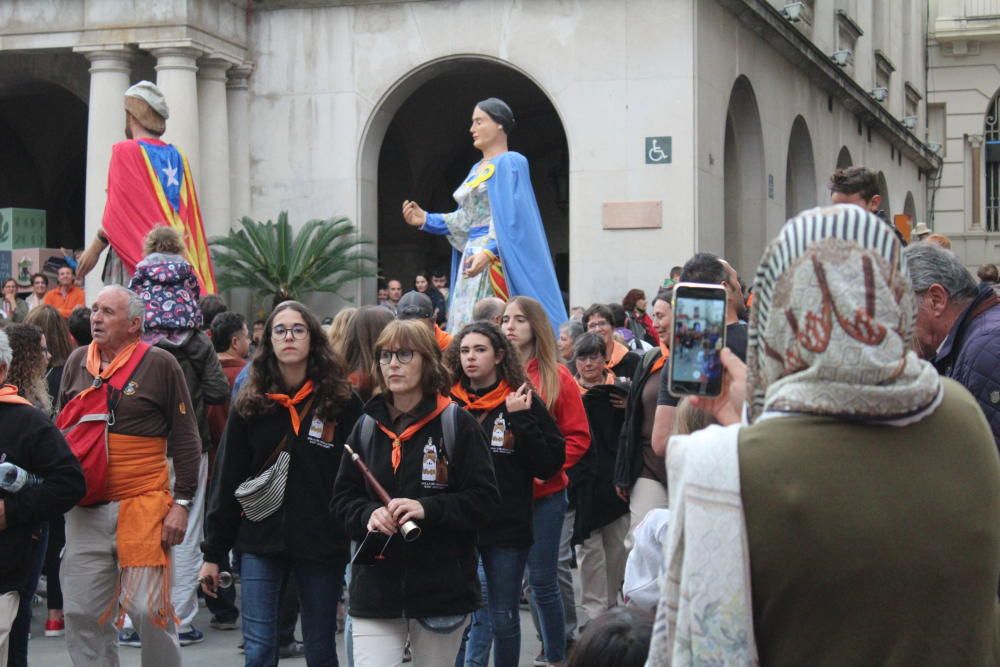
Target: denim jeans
{"points": [[319, 584], [17, 653], [543, 560], [498, 623]]}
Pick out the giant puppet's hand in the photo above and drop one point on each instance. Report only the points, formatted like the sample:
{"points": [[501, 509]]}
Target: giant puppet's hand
{"points": [[476, 264], [413, 214], [88, 259]]}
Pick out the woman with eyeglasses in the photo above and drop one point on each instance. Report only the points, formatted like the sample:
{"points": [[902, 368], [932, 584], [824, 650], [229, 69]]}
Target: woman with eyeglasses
{"points": [[422, 589], [12, 308], [527, 327], [525, 443], [297, 399], [601, 515]]}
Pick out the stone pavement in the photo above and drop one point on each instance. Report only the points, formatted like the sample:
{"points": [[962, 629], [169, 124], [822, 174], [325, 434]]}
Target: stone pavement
{"points": [[218, 650]]}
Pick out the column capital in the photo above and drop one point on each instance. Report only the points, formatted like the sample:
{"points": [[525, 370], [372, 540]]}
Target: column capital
{"points": [[175, 55], [238, 75], [975, 140], [213, 68], [107, 57]]}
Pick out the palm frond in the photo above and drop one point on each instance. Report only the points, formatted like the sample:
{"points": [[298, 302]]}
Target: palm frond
{"points": [[272, 258]]}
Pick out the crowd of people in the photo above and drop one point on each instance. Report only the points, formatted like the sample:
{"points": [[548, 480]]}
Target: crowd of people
{"points": [[410, 483]]}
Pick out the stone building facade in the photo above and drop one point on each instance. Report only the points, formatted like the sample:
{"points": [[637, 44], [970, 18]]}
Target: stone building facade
{"points": [[654, 128], [963, 81]]}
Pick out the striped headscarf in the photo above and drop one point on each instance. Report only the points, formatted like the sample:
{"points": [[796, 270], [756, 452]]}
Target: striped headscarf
{"points": [[832, 323]]}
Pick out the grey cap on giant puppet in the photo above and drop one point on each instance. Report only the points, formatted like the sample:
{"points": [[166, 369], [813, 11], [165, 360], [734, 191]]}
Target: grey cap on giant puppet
{"points": [[148, 105]]}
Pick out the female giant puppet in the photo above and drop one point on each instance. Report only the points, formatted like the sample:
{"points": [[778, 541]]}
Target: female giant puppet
{"points": [[499, 246]]}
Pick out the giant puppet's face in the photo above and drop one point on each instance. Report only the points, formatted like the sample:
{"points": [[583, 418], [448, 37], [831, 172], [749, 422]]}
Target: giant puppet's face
{"points": [[484, 130]]}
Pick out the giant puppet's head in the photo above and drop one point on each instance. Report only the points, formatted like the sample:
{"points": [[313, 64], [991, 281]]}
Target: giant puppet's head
{"points": [[146, 104]]}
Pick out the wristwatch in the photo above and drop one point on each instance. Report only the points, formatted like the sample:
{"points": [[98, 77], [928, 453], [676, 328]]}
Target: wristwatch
{"points": [[186, 504]]}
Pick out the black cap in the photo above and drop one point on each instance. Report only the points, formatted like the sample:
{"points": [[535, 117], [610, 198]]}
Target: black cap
{"points": [[414, 305]]}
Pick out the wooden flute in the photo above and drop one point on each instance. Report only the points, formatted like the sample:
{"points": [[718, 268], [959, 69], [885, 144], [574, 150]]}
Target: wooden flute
{"points": [[410, 529]]}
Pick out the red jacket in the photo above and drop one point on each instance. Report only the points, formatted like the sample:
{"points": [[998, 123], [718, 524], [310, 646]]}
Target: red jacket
{"points": [[572, 422]]}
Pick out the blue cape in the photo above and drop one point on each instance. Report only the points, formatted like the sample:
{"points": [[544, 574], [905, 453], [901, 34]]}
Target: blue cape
{"points": [[524, 250]]}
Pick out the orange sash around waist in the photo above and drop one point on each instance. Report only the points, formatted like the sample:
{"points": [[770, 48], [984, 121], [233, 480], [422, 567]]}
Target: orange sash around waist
{"points": [[139, 479]]}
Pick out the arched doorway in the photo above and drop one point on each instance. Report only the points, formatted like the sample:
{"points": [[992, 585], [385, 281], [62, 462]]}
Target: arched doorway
{"points": [[844, 159], [43, 155], [417, 147], [800, 170], [883, 190], [744, 180], [909, 207]]}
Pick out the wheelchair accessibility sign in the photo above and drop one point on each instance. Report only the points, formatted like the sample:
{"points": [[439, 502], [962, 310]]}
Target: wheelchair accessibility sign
{"points": [[658, 150]]}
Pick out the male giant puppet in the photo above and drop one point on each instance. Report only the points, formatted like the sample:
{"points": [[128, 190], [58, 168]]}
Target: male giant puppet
{"points": [[149, 184]]}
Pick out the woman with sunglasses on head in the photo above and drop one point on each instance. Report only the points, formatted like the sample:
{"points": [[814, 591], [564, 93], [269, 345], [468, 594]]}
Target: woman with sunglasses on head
{"points": [[527, 327], [525, 443], [296, 400], [421, 589]]}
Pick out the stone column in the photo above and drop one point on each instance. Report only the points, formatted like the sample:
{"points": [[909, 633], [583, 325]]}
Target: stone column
{"points": [[213, 127], [176, 71], [976, 144], [238, 90], [109, 79]]}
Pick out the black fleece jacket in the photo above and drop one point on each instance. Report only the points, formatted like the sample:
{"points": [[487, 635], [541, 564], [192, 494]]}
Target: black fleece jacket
{"points": [[31, 441], [434, 575], [524, 445], [304, 527]]}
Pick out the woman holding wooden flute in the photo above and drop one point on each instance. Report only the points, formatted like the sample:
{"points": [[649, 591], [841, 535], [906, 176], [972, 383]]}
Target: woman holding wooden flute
{"points": [[434, 462]]}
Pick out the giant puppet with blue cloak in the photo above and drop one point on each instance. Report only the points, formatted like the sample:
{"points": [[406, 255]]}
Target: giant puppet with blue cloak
{"points": [[498, 241]]}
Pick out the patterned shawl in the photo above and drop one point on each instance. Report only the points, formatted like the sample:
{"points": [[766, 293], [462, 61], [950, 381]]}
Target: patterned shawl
{"points": [[832, 323]]}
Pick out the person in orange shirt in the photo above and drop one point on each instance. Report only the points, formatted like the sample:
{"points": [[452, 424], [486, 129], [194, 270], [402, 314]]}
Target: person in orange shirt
{"points": [[67, 295]]}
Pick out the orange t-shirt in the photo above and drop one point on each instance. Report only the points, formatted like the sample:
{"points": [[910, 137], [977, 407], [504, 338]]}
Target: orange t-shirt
{"points": [[65, 304]]}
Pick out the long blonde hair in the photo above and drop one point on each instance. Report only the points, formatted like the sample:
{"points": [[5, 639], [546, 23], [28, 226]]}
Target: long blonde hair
{"points": [[545, 348], [339, 326]]}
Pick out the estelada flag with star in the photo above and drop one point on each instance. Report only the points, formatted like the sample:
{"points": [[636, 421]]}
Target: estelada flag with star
{"points": [[150, 184]]}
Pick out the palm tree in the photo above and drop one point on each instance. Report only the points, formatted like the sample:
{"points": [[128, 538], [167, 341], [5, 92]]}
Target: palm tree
{"points": [[270, 258]]}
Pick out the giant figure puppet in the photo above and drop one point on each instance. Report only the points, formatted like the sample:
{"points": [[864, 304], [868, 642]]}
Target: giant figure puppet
{"points": [[149, 184], [497, 238]]}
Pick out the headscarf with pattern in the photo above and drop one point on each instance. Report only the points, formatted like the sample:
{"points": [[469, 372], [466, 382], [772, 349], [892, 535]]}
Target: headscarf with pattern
{"points": [[832, 323]]}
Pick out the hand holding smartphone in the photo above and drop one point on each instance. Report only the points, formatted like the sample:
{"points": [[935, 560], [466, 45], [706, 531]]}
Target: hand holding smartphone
{"points": [[697, 338]]}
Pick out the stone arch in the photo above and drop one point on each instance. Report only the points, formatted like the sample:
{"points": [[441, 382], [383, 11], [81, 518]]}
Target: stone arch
{"points": [[800, 170], [844, 159], [744, 178], [415, 145], [883, 190]]}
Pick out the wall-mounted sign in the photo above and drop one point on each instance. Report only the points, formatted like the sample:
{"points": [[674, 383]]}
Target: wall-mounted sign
{"points": [[658, 150], [770, 186]]}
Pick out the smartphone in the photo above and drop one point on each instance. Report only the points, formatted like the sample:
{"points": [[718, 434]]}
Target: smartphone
{"points": [[697, 337]]}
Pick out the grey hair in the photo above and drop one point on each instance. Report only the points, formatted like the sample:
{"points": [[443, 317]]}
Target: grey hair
{"points": [[928, 264], [136, 306], [6, 354], [573, 328], [487, 309]]}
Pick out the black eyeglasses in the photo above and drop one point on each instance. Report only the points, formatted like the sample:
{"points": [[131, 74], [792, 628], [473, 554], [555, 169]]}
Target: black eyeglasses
{"points": [[298, 331], [402, 356]]}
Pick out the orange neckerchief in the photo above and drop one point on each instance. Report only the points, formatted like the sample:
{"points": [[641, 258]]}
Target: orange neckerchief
{"points": [[411, 430], [94, 365], [618, 352], [8, 394], [658, 364], [290, 403], [484, 403], [443, 339]]}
